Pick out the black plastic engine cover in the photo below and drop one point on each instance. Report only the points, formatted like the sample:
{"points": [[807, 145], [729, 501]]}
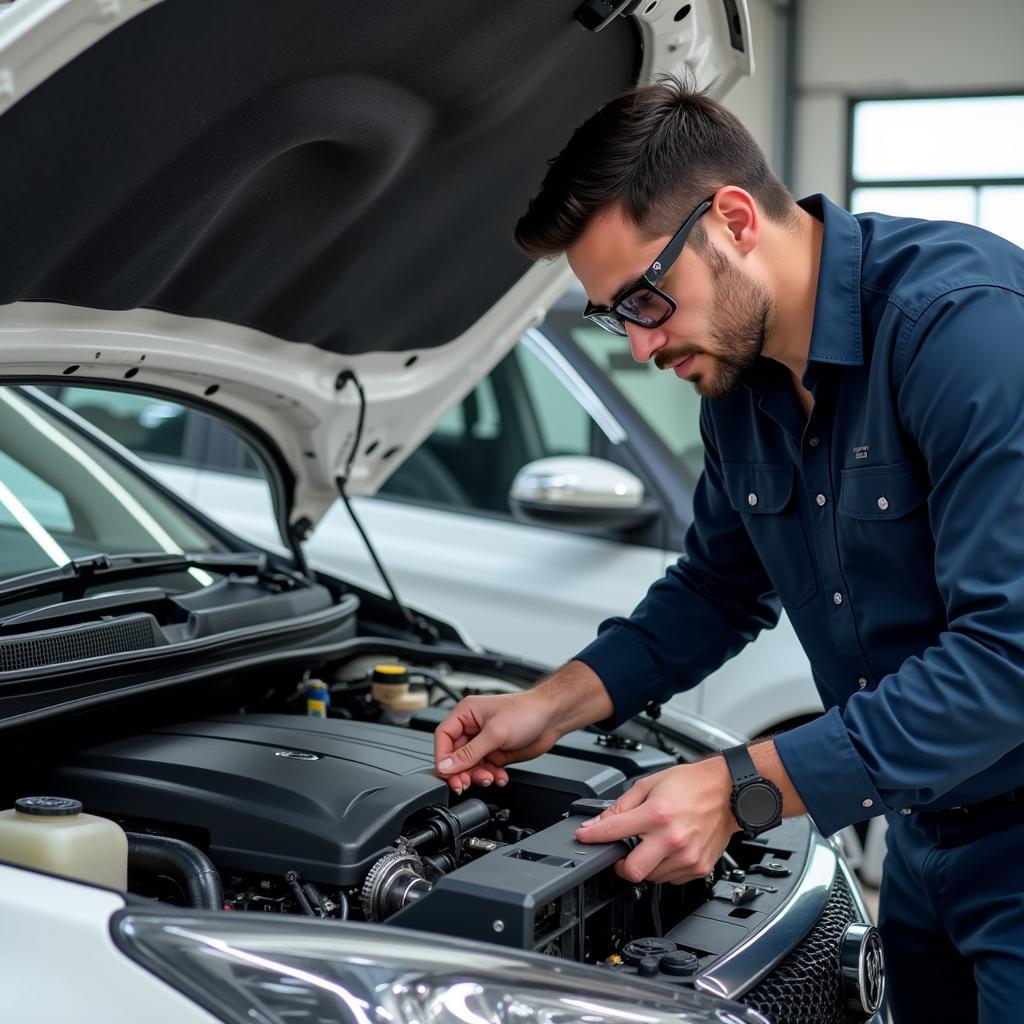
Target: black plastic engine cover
{"points": [[324, 797], [274, 792]]}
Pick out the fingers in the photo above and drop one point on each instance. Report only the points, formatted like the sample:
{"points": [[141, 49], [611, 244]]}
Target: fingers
{"points": [[455, 731], [489, 774], [616, 826], [641, 863], [484, 775], [620, 820]]}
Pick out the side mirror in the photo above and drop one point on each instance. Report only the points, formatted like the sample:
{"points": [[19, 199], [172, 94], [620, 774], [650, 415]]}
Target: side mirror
{"points": [[578, 492]]}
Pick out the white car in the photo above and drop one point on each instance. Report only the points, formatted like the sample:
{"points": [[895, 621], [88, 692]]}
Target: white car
{"points": [[294, 217]]}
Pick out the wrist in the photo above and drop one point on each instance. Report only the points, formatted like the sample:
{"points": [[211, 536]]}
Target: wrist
{"points": [[756, 802], [573, 697]]}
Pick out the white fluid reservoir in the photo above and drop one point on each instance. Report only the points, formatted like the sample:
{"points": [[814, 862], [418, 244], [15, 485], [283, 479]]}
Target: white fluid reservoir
{"points": [[50, 833]]}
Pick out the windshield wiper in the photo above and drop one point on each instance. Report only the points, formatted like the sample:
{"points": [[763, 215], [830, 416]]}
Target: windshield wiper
{"points": [[75, 577]]}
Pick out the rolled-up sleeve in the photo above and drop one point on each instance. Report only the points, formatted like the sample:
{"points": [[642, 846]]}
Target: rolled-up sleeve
{"points": [[706, 608], [958, 707]]}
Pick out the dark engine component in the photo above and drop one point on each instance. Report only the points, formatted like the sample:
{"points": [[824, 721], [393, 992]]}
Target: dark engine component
{"points": [[267, 794], [189, 867], [547, 893], [395, 881]]}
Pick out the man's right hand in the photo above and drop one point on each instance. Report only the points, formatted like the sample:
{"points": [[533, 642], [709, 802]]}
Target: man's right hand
{"points": [[483, 734]]}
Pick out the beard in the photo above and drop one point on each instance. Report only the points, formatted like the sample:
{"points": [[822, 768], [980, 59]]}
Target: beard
{"points": [[746, 313]]}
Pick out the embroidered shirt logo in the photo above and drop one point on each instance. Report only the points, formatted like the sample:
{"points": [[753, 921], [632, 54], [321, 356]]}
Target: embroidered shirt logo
{"points": [[861, 452]]}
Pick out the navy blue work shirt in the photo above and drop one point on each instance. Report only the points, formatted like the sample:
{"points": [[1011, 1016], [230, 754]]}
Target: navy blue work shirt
{"points": [[889, 524]]}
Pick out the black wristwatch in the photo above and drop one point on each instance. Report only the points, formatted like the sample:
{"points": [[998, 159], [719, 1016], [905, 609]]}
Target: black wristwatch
{"points": [[756, 801]]}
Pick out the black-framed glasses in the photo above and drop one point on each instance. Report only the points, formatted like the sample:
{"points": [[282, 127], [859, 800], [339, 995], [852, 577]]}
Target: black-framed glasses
{"points": [[643, 303]]}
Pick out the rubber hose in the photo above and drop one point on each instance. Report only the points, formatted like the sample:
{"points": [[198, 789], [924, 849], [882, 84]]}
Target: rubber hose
{"points": [[183, 862]]}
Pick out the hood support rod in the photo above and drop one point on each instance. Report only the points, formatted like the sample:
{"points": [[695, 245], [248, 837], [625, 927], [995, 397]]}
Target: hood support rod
{"points": [[419, 626]]}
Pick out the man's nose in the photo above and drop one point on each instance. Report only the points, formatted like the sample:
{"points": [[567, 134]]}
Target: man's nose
{"points": [[644, 341]]}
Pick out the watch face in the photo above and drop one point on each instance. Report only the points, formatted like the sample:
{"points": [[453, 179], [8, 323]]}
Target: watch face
{"points": [[758, 805]]}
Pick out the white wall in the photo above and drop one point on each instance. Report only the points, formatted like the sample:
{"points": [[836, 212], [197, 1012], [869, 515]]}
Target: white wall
{"points": [[883, 47], [757, 101]]}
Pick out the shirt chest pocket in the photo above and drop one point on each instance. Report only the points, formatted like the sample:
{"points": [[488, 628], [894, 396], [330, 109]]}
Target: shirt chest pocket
{"points": [[763, 495], [884, 532]]}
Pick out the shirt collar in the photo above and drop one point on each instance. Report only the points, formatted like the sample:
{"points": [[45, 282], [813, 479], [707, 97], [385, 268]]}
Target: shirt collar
{"points": [[836, 331]]}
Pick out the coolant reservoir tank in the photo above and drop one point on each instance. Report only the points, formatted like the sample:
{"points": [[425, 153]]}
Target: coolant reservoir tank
{"points": [[390, 688], [52, 834]]}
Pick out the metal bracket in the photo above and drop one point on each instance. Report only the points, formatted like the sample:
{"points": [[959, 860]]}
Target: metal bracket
{"points": [[596, 15]]}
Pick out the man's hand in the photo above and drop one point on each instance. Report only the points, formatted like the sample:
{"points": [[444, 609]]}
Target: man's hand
{"points": [[682, 817], [483, 734]]}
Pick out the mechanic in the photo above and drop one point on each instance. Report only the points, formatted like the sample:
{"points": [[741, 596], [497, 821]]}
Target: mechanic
{"points": [[862, 385]]}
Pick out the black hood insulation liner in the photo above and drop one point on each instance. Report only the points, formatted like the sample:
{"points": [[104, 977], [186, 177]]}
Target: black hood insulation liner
{"points": [[344, 174]]}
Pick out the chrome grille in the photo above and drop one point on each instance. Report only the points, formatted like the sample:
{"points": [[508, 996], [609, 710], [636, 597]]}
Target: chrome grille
{"points": [[805, 987]]}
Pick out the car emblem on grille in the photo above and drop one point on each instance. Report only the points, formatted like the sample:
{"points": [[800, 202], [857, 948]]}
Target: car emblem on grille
{"points": [[298, 755], [862, 968]]}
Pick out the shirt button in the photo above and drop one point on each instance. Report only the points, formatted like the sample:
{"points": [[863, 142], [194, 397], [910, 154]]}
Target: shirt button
{"points": [[751, 499], [837, 597], [813, 442], [904, 810], [862, 682], [820, 499], [867, 803], [883, 503]]}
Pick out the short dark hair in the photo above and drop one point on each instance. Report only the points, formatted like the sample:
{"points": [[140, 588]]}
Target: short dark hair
{"points": [[657, 151]]}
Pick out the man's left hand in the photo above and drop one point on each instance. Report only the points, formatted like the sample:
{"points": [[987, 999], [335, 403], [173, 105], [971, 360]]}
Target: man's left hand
{"points": [[682, 818]]}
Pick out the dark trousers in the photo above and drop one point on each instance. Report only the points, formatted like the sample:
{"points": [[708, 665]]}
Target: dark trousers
{"points": [[951, 915]]}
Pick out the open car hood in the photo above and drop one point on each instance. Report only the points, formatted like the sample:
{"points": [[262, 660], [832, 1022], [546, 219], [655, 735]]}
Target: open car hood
{"points": [[234, 202]]}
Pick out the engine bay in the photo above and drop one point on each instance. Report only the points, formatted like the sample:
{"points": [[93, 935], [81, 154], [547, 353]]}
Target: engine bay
{"points": [[320, 799]]}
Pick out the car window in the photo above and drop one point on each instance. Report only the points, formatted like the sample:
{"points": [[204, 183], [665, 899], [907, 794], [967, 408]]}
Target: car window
{"points": [[565, 427], [63, 496], [44, 503], [520, 412], [148, 426], [670, 406], [477, 416]]}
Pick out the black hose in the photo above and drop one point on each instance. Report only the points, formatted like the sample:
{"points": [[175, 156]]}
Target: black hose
{"points": [[437, 680], [183, 862], [292, 878]]}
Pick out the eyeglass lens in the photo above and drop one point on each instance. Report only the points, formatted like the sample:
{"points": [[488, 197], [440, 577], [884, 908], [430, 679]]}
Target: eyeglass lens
{"points": [[644, 307]]}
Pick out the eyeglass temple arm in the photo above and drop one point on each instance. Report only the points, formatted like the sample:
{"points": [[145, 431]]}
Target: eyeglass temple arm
{"points": [[657, 270]]}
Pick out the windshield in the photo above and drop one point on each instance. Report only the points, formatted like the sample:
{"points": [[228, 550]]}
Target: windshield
{"points": [[63, 497]]}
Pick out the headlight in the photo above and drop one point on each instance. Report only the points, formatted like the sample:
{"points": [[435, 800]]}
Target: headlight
{"points": [[248, 970]]}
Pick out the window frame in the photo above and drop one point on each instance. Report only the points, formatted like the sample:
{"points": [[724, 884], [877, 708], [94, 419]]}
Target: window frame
{"points": [[853, 183]]}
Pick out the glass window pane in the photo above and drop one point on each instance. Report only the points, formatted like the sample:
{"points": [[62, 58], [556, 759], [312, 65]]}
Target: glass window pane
{"points": [[563, 423], [969, 137], [457, 464], [1001, 210], [669, 405], [44, 503], [148, 426], [74, 489], [929, 202]]}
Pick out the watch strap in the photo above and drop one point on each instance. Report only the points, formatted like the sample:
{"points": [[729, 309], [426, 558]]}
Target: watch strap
{"points": [[741, 765]]}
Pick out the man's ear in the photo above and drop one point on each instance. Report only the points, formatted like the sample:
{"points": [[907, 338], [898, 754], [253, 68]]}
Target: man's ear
{"points": [[737, 211]]}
